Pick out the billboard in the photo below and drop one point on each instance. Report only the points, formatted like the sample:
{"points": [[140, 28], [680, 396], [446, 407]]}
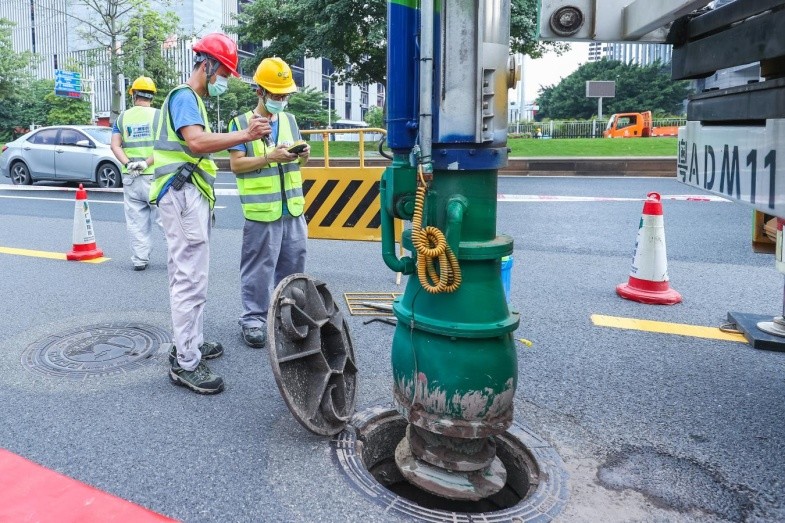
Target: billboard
{"points": [[600, 89]]}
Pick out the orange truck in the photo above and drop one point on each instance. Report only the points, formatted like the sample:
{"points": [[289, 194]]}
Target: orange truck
{"points": [[636, 125]]}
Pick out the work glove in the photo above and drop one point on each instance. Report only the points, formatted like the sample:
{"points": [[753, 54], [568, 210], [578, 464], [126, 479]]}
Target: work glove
{"points": [[134, 168], [142, 165]]}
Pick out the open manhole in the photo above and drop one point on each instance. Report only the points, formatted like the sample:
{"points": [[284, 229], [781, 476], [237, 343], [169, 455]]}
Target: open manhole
{"points": [[313, 361], [95, 350], [536, 487]]}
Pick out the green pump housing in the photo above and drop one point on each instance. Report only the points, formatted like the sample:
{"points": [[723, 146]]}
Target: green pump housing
{"points": [[454, 358]]}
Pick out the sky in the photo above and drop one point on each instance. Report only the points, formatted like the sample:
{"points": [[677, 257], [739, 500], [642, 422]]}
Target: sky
{"points": [[550, 69]]}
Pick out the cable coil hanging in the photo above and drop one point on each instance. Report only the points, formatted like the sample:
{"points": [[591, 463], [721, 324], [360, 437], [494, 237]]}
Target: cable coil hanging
{"points": [[431, 245]]}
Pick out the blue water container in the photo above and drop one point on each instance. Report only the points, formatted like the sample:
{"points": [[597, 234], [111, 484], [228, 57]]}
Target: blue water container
{"points": [[507, 262]]}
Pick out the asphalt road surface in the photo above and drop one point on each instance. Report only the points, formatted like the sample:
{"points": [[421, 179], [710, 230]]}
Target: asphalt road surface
{"points": [[650, 426]]}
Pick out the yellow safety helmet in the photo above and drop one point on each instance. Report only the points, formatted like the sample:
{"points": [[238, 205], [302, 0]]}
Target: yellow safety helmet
{"points": [[143, 83], [275, 76]]}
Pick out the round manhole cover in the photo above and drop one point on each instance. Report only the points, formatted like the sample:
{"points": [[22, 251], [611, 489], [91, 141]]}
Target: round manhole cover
{"points": [[95, 350]]}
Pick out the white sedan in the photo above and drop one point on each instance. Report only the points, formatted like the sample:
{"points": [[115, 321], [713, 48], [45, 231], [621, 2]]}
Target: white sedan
{"points": [[74, 153]]}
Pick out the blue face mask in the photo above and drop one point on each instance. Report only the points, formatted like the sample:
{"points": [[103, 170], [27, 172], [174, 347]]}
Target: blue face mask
{"points": [[219, 87], [274, 106]]}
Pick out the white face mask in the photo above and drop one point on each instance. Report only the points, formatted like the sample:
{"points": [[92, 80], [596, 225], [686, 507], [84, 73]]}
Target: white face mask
{"points": [[274, 106], [219, 87]]}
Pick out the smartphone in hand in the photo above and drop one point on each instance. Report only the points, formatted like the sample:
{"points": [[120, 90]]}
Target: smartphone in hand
{"points": [[297, 148]]}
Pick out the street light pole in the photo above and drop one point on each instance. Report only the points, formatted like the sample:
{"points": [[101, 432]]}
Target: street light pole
{"points": [[141, 44], [91, 93], [329, 103]]}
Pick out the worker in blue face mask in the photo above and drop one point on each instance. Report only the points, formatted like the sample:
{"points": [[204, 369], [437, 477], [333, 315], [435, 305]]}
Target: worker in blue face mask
{"points": [[183, 190], [271, 193]]}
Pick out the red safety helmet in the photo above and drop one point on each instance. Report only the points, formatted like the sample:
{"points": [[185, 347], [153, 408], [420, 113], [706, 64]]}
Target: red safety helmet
{"points": [[220, 47]]}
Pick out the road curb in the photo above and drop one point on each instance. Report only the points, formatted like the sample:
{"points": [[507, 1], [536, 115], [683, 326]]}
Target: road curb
{"points": [[656, 166]]}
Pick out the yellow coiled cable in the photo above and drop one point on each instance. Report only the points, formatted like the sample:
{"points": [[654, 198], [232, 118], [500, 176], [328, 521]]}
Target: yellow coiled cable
{"points": [[431, 245]]}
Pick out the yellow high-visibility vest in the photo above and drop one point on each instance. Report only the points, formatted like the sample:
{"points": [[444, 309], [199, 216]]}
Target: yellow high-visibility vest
{"points": [[171, 152], [137, 133], [263, 191]]}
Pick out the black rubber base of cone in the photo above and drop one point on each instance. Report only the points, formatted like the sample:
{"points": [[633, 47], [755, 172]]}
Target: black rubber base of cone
{"points": [[748, 325]]}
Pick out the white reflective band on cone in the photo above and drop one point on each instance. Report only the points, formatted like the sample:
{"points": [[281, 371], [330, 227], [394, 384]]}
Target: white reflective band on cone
{"points": [[83, 224], [650, 261]]}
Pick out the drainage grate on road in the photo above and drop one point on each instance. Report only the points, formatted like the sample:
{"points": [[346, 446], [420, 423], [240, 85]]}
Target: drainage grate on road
{"points": [[96, 350], [370, 303]]}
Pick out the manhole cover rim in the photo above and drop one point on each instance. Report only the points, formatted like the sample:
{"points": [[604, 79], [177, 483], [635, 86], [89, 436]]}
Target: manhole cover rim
{"points": [[551, 492], [51, 356]]}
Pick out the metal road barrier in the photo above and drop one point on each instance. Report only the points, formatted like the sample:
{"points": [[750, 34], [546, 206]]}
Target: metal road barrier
{"points": [[342, 203]]}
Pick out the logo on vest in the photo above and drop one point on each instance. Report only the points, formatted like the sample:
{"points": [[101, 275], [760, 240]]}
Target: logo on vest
{"points": [[139, 131]]}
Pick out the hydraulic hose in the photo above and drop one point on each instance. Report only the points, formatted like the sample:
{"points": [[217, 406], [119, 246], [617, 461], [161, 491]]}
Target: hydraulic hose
{"points": [[381, 148], [431, 245]]}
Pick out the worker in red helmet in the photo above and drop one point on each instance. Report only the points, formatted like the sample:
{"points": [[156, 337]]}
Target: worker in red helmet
{"points": [[183, 190]]}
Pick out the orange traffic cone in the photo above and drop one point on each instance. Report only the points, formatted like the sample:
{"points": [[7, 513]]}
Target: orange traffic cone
{"points": [[84, 247], [648, 282]]}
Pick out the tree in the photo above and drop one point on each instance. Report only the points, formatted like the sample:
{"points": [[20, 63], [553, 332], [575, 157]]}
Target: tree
{"points": [[352, 34], [145, 36], [524, 32], [106, 23], [239, 98], [638, 88], [62, 110], [308, 107], [13, 66], [375, 117], [14, 76], [31, 108]]}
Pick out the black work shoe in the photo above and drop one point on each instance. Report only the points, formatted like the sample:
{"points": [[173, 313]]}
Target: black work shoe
{"points": [[208, 349], [201, 379], [254, 337], [140, 267]]}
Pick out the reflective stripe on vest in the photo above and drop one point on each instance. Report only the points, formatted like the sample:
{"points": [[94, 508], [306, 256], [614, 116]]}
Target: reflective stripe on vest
{"points": [[260, 190], [137, 133], [171, 152]]}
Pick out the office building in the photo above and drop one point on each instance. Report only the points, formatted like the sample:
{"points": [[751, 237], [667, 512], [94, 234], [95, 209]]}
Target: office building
{"points": [[640, 54]]}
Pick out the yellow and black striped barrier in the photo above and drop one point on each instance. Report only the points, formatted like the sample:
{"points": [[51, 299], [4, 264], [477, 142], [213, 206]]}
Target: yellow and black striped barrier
{"points": [[342, 203]]}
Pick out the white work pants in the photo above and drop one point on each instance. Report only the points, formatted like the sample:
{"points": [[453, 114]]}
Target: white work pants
{"points": [[139, 217], [186, 219], [271, 252]]}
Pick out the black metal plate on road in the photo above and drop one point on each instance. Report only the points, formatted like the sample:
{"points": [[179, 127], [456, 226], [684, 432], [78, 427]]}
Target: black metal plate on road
{"points": [[311, 354], [748, 325], [95, 350]]}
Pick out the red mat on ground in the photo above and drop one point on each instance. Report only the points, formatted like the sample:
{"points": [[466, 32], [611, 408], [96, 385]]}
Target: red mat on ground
{"points": [[30, 492]]}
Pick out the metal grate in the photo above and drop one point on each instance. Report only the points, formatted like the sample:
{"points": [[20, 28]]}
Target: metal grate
{"points": [[370, 303]]}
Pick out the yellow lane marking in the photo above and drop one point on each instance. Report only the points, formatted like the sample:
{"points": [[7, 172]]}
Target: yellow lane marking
{"points": [[681, 329], [44, 254]]}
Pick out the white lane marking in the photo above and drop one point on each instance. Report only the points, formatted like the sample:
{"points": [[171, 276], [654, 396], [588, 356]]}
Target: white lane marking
{"points": [[55, 188], [526, 198], [539, 198], [71, 200], [56, 199]]}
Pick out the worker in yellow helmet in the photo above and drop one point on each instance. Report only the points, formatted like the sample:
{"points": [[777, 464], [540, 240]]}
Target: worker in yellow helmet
{"points": [[271, 193], [132, 145]]}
